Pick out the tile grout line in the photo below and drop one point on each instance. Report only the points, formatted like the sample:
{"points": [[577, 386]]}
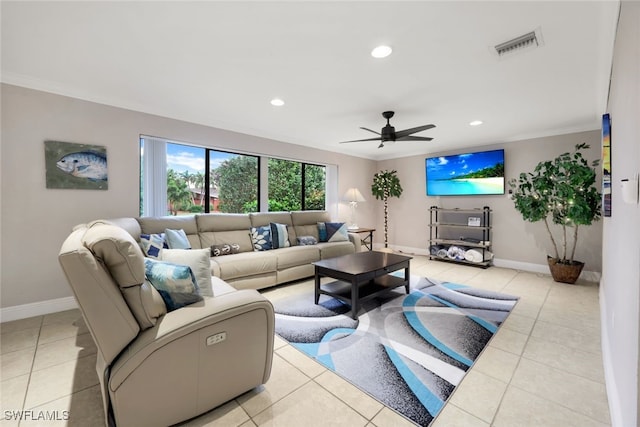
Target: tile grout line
{"points": [[495, 414]]}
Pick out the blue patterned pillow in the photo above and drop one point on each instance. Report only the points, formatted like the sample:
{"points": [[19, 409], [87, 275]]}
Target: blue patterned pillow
{"points": [[336, 232], [322, 232], [307, 240], [261, 237], [152, 245], [279, 235], [177, 239], [176, 283]]}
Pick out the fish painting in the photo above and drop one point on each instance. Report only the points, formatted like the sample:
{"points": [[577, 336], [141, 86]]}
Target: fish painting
{"points": [[76, 166], [85, 164]]}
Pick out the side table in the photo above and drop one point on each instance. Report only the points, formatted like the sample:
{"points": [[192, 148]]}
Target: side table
{"points": [[367, 240]]}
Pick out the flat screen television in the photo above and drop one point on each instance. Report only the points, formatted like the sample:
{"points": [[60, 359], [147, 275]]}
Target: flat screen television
{"points": [[469, 174]]}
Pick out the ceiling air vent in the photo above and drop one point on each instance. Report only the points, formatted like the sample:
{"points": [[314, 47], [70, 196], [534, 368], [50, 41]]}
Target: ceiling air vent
{"points": [[525, 42]]}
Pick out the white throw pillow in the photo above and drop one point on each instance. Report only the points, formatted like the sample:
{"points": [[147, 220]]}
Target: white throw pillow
{"points": [[198, 260]]}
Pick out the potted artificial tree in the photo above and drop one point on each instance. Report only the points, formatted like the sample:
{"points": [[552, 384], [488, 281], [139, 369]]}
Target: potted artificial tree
{"points": [[386, 184], [561, 191]]}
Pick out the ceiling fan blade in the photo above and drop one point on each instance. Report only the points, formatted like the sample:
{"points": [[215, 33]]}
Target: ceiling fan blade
{"points": [[377, 133], [359, 140], [406, 132], [414, 138]]}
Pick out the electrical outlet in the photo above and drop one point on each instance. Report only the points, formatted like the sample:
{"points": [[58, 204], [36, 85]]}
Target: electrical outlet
{"points": [[217, 338]]}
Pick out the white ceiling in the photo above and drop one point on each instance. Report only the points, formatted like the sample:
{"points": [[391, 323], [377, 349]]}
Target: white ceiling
{"points": [[220, 63]]}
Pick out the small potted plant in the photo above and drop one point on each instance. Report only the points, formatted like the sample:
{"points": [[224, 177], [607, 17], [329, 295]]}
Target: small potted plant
{"points": [[561, 191], [386, 184]]}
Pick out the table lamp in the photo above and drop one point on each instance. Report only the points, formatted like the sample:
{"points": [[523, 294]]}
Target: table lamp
{"points": [[353, 196]]}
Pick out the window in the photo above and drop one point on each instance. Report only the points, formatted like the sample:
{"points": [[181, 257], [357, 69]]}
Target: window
{"points": [[174, 182], [234, 182], [296, 186]]}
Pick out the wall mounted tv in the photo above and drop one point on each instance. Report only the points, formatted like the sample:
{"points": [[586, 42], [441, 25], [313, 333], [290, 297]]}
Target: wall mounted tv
{"points": [[469, 174]]}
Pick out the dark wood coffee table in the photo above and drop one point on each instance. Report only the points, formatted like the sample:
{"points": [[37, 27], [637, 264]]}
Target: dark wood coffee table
{"points": [[360, 276]]}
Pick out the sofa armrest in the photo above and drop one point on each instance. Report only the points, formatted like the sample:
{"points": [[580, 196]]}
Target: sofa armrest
{"points": [[355, 239], [187, 320]]}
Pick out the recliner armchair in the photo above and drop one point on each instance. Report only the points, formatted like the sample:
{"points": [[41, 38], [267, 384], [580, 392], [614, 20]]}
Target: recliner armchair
{"points": [[157, 368]]}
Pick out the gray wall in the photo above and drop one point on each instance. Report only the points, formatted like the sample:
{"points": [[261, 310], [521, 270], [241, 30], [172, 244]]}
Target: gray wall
{"points": [[35, 220], [619, 288], [514, 240]]}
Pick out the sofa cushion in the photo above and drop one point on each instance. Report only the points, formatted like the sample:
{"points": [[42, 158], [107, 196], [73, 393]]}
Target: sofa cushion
{"points": [[245, 264], [334, 249], [176, 283], [297, 255], [145, 303], [176, 239], [279, 235], [261, 238], [118, 251], [198, 260], [221, 228], [124, 260]]}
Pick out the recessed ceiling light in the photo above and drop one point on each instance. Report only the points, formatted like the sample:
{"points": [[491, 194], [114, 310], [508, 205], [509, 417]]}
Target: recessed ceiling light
{"points": [[277, 102], [475, 123], [381, 51]]}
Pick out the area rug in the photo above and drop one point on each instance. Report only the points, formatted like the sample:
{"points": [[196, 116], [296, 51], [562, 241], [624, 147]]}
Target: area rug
{"points": [[407, 351]]}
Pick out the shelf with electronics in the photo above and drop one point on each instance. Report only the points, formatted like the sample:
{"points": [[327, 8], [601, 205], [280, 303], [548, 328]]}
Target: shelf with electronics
{"points": [[461, 236]]}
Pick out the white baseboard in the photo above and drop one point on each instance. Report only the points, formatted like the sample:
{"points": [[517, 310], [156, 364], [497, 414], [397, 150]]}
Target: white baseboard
{"points": [[592, 276], [609, 379], [23, 311]]}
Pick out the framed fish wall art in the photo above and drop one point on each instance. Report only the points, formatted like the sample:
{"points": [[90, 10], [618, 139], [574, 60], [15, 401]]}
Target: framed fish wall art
{"points": [[76, 166]]}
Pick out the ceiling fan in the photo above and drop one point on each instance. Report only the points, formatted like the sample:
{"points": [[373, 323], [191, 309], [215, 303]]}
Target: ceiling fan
{"points": [[388, 133]]}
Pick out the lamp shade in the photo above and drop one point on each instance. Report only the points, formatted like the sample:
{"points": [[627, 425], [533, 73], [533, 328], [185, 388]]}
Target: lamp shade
{"points": [[353, 195]]}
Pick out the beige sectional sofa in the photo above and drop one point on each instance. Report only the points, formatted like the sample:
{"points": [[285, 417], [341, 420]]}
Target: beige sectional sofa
{"points": [[157, 366], [250, 269]]}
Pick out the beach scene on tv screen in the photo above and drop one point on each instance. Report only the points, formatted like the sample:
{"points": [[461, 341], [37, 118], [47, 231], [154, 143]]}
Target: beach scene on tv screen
{"points": [[466, 174]]}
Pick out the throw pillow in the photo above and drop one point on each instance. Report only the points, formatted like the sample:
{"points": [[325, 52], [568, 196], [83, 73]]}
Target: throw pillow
{"points": [[336, 232], [225, 249], [177, 239], [152, 244], [198, 260], [307, 240], [322, 232], [175, 283], [261, 237], [279, 235]]}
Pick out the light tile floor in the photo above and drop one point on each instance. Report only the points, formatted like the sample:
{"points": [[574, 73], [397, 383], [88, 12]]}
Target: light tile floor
{"points": [[543, 367]]}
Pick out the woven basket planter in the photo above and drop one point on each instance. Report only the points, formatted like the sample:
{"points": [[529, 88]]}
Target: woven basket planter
{"points": [[565, 273]]}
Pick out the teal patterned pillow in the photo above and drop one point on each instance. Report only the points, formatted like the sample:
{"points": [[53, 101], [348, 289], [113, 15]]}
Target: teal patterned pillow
{"points": [[322, 232], [176, 283], [261, 237], [279, 235]]}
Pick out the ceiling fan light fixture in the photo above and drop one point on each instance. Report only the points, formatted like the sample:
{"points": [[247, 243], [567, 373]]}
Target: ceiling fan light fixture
{"points": [[277, 102], [381, 51], [475, 123]]}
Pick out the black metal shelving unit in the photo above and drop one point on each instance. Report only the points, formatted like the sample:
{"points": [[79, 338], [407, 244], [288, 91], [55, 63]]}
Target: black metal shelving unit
{"points": [[456, 231]]}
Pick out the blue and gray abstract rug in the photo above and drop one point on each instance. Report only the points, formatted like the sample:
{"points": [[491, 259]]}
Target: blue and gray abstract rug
{"points": [[407, 351]]}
